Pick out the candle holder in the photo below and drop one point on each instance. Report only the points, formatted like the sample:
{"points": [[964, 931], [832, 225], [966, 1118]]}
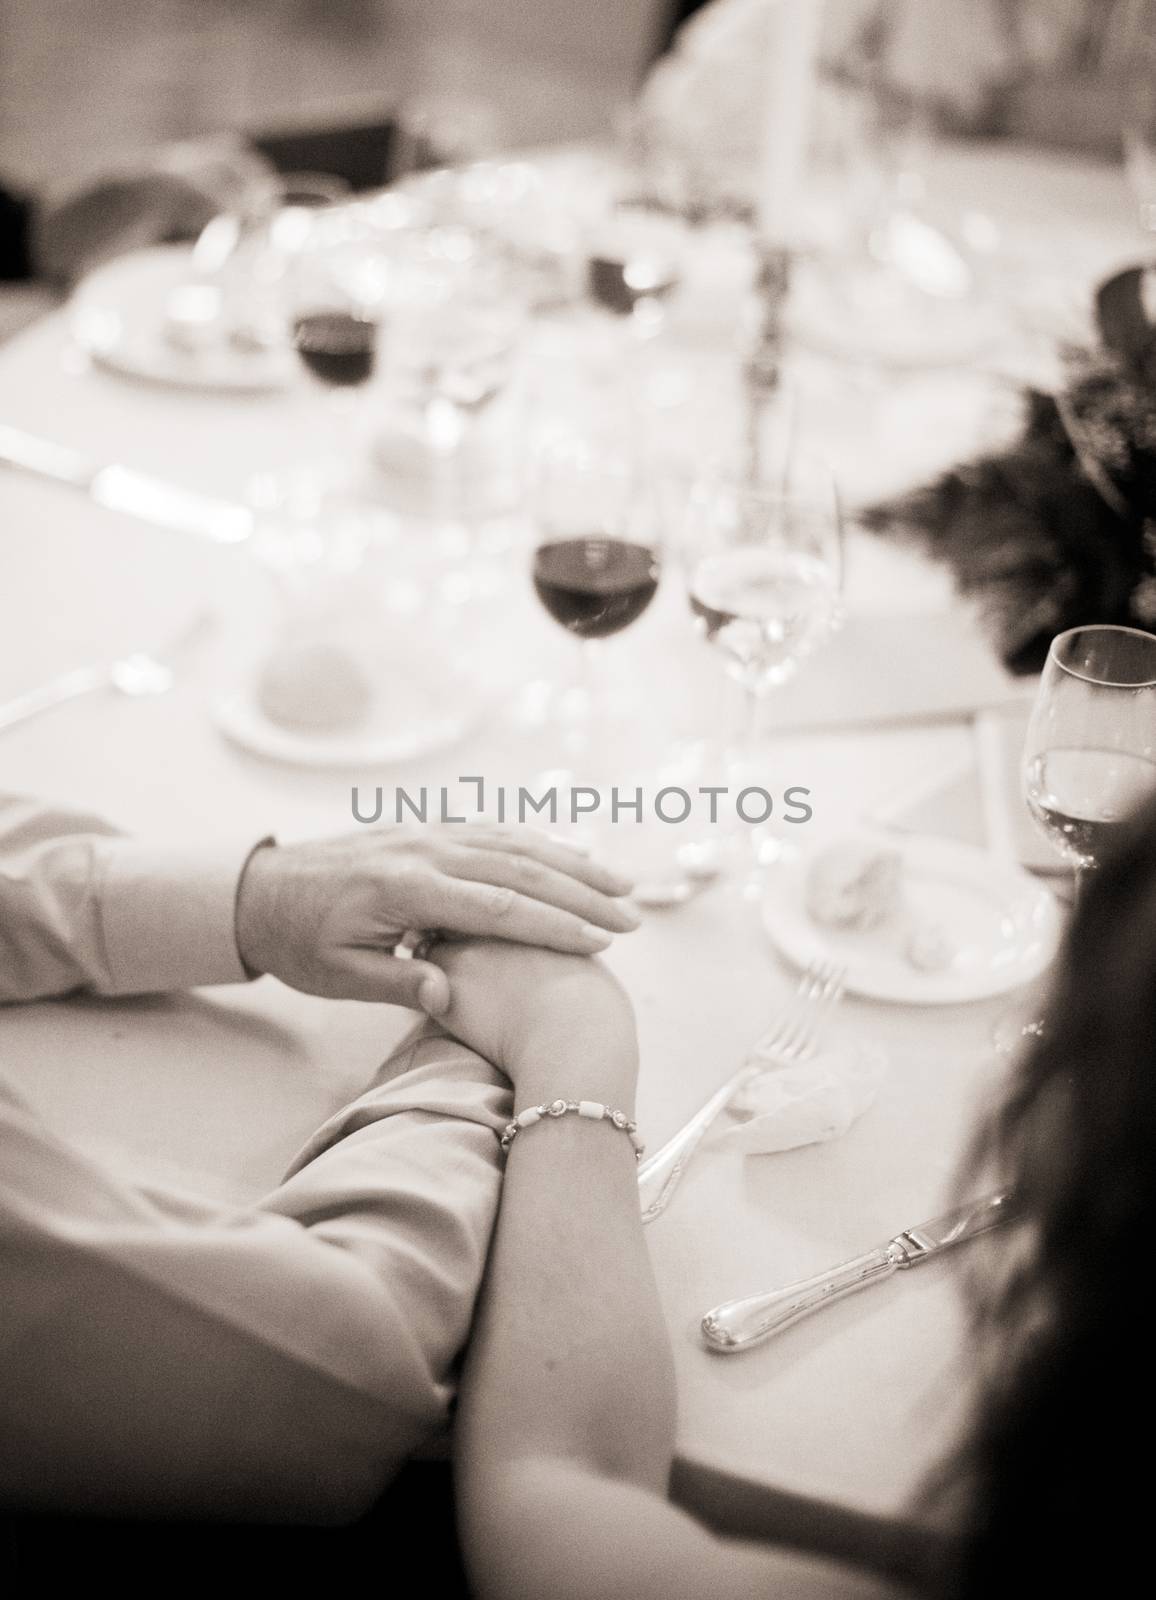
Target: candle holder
{"points": [[762, 369]]}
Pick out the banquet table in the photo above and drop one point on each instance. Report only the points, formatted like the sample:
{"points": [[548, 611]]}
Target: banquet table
{"points": [[217, 1090]]}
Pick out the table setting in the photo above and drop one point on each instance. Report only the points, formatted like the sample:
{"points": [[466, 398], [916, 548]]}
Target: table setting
{"points": [[508, 481]]}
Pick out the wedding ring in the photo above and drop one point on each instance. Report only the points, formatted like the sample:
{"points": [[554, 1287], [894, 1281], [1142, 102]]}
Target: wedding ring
{"points": [[416, 943]]}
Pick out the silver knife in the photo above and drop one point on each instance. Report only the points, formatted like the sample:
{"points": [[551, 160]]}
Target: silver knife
{"points": [[738, 1324], [119, 488]]}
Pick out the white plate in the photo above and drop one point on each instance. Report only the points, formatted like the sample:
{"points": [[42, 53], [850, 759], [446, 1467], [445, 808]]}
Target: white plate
{"points": [[1003, 924], [118, 317], [416, 718], [242, 721]]}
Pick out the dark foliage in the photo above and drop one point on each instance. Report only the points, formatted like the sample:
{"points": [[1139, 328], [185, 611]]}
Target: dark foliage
{"points": [[1059, 529]]}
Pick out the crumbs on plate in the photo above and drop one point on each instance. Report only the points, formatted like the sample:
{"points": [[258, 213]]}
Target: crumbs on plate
{"points": [[858, 886]]}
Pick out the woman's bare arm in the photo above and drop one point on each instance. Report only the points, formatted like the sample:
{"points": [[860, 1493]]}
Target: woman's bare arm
{"points": [[566, 1425]]}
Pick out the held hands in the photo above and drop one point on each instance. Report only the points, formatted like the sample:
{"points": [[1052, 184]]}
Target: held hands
{"points": [[326, 917], [557, 1025]]}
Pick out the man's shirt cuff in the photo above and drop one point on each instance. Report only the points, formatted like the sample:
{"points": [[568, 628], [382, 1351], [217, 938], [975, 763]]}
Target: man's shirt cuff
{"points": [[168, 916]]}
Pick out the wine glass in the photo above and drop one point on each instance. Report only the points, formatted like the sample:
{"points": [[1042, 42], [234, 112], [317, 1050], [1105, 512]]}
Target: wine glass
{"points": [[633, 265], [334, 326], [764, 563], [1090, 753], [442, 436], [596, 561], [337, 343], [241, 259], [453, 349], [252, 250], [893, 278], [296, 200]]}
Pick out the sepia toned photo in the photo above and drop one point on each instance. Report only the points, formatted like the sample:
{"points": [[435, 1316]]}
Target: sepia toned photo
{"points": [[577, 796]]}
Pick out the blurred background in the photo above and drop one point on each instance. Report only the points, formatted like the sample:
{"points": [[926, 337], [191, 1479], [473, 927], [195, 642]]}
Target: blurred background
{"points": [[84, 84]]}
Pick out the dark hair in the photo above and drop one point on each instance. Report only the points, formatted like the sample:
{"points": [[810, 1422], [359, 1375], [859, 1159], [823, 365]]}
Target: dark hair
{"points": [[1053, 1502]]}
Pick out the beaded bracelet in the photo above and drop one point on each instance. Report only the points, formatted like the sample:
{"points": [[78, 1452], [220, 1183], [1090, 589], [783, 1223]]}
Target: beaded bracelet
{"points": [[594, 1110]]}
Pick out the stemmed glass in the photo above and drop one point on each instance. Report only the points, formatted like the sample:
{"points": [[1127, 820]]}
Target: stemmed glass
{"points": [[596, 561], [633, 266], [448, 362], [334, 327], [764, 564], [1090, 753], [242, 258], [896, 281], [298, 199], [456, 322]]}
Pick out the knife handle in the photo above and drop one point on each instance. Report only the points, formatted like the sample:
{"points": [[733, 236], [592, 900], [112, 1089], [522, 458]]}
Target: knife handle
{"points": [[69, 686], [738, 1324]]}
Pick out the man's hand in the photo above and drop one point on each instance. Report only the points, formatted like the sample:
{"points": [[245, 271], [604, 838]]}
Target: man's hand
{"points": [[327, 917], [557, 1025]]}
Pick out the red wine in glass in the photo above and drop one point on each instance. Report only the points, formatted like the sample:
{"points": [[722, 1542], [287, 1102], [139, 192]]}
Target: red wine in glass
{"points": [[338, 347], [595, 586], [618, 286]]}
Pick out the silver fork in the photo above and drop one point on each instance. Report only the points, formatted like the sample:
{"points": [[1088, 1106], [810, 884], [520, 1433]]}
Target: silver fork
{"points": [[793, 1036]]}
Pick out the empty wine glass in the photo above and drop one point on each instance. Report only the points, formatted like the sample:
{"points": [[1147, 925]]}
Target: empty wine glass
{"points": [[894, 278], [1090, 753], [442, 436], [253, 251], [448, 362], [764, 573]]}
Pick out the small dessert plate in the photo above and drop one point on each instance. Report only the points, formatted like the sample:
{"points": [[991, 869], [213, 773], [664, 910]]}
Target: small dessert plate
{"points": [[415, 711], [242, 721], [122, 315], [996, 927]]}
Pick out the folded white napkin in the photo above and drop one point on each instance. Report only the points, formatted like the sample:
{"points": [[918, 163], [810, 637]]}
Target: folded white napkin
{"points": [[803, 1104]]}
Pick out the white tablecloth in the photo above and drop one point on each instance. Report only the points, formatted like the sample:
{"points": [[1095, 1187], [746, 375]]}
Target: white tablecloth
{"points": [[220, 1088]]}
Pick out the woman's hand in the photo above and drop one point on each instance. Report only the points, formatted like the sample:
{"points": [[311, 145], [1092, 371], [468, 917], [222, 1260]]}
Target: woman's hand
{"points": [[558, 1025], [326, 917]]}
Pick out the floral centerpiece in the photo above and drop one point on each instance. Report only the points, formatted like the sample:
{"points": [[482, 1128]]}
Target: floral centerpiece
{"points": [[699, 116], [1060, 528]]}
